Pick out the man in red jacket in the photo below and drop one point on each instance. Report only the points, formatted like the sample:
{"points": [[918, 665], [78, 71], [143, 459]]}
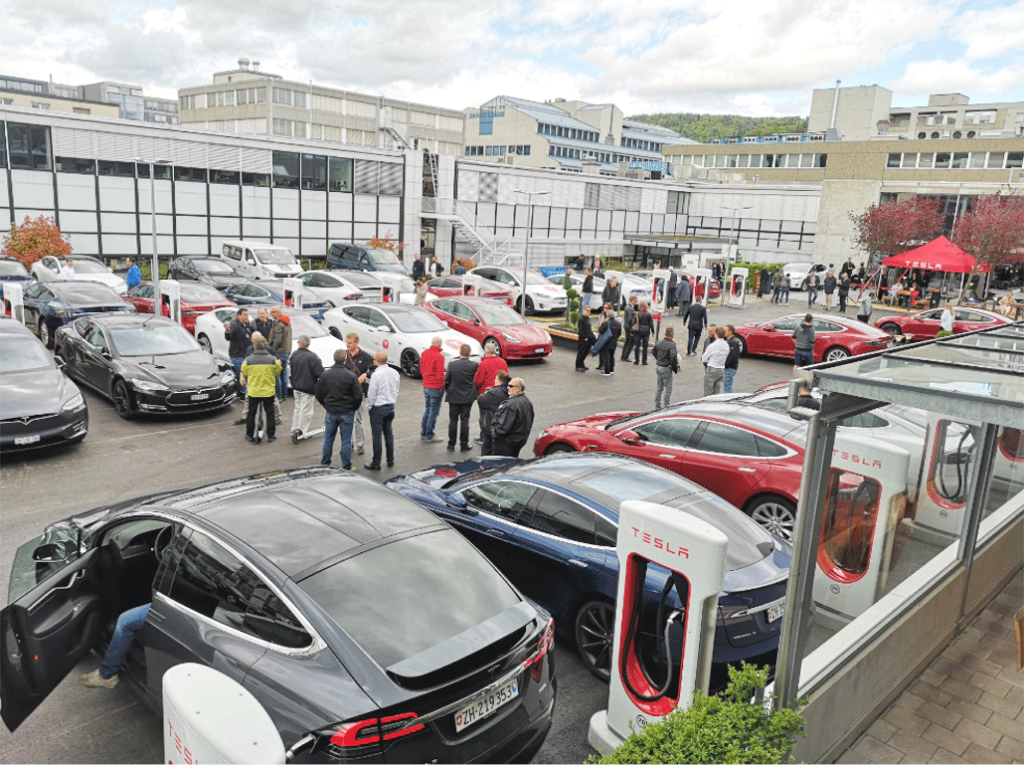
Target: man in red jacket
{"points": [[432, 371], [489, 366]]}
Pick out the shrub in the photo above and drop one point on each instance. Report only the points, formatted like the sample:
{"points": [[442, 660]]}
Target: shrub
{"points": [[726, 729], [34, 239], [574, 318]]}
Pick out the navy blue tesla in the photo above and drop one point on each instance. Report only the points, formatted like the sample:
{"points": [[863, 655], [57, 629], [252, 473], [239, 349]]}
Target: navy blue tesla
{"points": [[251, 293], [550, 526], [49, 305]]}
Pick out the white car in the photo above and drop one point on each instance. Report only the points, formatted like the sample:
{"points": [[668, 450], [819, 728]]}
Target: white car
{"points": [[210, 332], [86, 270], [633, 284], [402, 331], [334, 287], [577, 278], [541, 295], [798, 273]]}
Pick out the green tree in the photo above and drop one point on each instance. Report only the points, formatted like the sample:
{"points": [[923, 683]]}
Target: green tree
{"points": [[707, 127]]}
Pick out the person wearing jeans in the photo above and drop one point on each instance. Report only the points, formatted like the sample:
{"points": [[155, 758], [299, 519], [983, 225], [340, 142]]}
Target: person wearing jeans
{"points": [[380, 403], [732, 362], [280, 340], [432, 371], [803, 339], [332, 424], [666, 359], [128, 623], [340, 394]]}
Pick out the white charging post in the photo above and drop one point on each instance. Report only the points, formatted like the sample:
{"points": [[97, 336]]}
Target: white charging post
{"points": [[14, 296], [701, 277], [738, 286], [210, 718], [692, 549], [170, 299], [292, 292]]}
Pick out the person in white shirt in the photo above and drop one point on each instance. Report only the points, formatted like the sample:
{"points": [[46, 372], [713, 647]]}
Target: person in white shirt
{"points": [[715, 356], [381, 398], [946, 320], [67, 271]]}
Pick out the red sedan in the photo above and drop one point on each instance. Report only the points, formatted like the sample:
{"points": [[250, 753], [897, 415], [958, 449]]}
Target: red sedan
{"points": [[751, 456], [196, 299], [452, 286], [835, 337], [698, 290], [491, 322], [925, 325]]}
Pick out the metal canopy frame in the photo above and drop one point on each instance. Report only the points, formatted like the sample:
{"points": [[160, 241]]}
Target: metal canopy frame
{"points": [[973, 376]]}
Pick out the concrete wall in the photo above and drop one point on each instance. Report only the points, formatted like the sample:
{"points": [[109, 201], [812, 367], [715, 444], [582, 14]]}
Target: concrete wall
{"points": [[93, 108], [858, 112]]}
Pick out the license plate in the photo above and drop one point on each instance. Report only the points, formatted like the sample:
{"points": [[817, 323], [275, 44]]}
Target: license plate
{"points": [[199, 396], [24, 440], [538, 350], [776, 612], [486, 705]]}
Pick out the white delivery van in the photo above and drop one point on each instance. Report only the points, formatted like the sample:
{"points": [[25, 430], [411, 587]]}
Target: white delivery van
{"points": [[259, 260]]}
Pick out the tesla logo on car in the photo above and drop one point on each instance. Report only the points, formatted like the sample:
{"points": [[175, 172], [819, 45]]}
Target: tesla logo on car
{"points": [[659, 543], [385, 344], [857, 459]]}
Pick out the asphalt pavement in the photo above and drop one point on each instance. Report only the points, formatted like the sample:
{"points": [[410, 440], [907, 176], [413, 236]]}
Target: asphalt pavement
{"points": [[123, 459]]}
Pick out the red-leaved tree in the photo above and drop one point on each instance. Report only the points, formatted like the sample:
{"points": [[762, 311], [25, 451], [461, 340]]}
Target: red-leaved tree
{"points": [[386, 243], [993, 230], [894, 227], [35, 239]]}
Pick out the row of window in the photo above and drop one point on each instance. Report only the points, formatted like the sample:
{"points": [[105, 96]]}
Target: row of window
{"points": [[636, 143], [563, 151], [788, 161], [240, 97], [566, 132], [957, 160], [83, 166], [22, 85], [497, 151]]}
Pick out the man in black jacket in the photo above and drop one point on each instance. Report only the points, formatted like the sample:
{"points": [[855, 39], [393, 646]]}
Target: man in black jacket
{"points": [[488, 404], [673, 284], [612, 293], [238, 334], [360, 362], [460, 395], [588, 287], [585, 339], [844, 291], [695, 318], [306, 370], [629, 317], [608, 351], [644, 323], [417, 268], [339, 394], [828, 287], [732, 361], [513, 421], [666, 359]]}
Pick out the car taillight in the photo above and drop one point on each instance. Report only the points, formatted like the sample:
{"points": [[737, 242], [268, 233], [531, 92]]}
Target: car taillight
{"points": [[534, 662], [352, 297], [883, 341], [375, 730]]}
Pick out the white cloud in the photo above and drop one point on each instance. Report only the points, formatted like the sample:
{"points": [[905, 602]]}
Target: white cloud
{"points": [[925, 77], [991, 32]]}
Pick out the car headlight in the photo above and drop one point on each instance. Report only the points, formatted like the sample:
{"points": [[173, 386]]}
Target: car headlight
{"points": [[74, 403], [147, 385], [228, 378], [509, 337]]}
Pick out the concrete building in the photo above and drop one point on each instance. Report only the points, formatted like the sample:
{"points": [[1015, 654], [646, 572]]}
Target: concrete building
{"points": [[129, 102], [28, 99], [867, 112], [249, 100], [564, 135], [132, 102]]}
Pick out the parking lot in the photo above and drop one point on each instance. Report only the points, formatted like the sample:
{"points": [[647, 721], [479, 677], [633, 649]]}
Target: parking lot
{"points": [[124, 459]]}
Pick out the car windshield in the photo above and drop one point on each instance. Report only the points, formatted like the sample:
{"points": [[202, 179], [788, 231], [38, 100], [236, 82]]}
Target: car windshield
{"points": [[534, 277], [212, 267], [200, 293], [362, 280], [498, 315], [381, 257], [12, 268], [400, 599], [22, 353], [91, 293], [416, 321], [155, 340], [89, 267], [279, 256], [304, 324]]}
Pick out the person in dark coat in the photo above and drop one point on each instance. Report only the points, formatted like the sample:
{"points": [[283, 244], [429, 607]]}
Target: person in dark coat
{"points": [[513, 421], [263, 323], [340, 395], [684, 293], [673, 283], [629, 324], [585, 340], [306, 369], [488, 403], [828, 287], [460, 395], [612, 293], [766, 278], [608, 352], [844, 291], [580, 263], [641, 336], [588, 286], [238, 334], [418, 271], [695, 318]]}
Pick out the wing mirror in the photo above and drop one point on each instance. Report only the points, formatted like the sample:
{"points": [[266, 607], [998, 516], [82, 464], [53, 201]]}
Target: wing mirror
{"points": [[106, 354], [630, 437], [456, 502], [768, 328], [52, 552]]}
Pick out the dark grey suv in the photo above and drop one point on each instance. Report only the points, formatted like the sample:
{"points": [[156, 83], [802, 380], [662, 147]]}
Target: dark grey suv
{"points": [[368, 629]]}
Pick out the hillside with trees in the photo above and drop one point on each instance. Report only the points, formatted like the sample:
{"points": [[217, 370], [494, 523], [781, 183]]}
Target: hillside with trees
{"points": [[706, 127]]}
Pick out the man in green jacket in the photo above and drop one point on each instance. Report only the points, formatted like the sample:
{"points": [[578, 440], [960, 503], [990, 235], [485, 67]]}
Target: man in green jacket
{"points": [[260, 372]]}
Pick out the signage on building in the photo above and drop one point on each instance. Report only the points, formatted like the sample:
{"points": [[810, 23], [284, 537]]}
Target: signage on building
{"points": [[661, 167], [485, 113]]}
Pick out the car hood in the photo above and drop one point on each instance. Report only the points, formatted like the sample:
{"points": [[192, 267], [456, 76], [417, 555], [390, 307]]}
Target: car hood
{"points": [[36, 391], [222, 281], [177, 370], [451, 341], [324, 347], [596, 421], [111, 280], [526, 333]]}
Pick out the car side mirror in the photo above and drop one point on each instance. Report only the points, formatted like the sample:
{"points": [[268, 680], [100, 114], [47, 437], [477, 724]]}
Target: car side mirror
{"points": [[60, 361], [52, 552], [630, 437], [768, 328], [455, 502], [106, 354]]}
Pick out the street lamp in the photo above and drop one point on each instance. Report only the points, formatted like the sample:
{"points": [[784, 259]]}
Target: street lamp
{"points": [[735, 221], [155, 268], [526, 246]]}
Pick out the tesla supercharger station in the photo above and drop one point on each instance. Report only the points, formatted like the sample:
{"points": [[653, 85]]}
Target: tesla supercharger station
{"points": [[693, 551], [392, 286], [864, 529], [14, 296], [208, 718], [738, 286], [701, 276], [170, 300], [293, 289]]}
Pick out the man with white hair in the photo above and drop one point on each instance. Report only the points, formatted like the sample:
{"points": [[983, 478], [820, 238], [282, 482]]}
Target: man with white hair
{"points": [[380, 404], [306, 369]]}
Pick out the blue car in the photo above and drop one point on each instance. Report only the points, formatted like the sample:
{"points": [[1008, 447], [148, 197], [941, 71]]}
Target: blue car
{"points": [[550, 526], [251, 293], [11, 270], [49, 305]]}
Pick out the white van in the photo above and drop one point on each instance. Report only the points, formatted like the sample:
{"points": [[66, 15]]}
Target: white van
{"points": [[259, 260]]}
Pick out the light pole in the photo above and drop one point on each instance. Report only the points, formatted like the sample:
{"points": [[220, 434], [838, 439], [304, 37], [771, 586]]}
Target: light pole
{"points": [[735, 222], [526, 246], [155, 268]]}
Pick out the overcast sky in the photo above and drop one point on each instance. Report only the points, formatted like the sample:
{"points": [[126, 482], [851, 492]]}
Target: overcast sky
{"points": [[756, 58]]}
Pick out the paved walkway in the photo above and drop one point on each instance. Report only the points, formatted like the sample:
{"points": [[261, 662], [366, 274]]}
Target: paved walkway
{"points": [[965, 707]]}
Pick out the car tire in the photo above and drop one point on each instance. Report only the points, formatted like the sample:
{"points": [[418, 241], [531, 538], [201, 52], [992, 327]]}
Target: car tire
{"points": [[775, 514], [529, 306], [497, 344], [410, 363], [122, 400], [204, 343], [743, 345], [45, 333], [595, 635], [892, 328], [558, 448], [836, 353]]}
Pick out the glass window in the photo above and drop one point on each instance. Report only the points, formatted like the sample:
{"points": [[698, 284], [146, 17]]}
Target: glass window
{"points": [[40, 558], [29, 146], [227, 177], [755, 160], [211, 581], [75, 165], [271, 620], [255, 179], [894, 160], [724, 439], [1014, 159], [605, 532], [340, 174], [193, 174], [977, 160], [995, 160], [563, 517], [120, 169], [942, 159], [674, 432], [286, 168], [926, 160], [3, 143], [960, 159], [314, 172], [163, 172], [506, 499], [851, 509]]}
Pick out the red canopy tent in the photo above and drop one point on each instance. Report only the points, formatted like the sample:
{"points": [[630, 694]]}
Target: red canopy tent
{"points": [[938, 255]]}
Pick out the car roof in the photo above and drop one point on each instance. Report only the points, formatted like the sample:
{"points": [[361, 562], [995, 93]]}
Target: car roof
{"points": [[747, 415], [122, 319], [10, 326], [82, 288], [304, 520]]}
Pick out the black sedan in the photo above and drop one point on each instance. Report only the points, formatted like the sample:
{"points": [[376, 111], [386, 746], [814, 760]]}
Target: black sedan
{"points": [[253, 293], [52, 304], [216, 272], [144, 363], [39, 406], [367, 628]]}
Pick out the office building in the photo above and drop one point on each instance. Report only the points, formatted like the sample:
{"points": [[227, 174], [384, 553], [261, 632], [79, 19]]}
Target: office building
{"points": [[128, 101]]}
